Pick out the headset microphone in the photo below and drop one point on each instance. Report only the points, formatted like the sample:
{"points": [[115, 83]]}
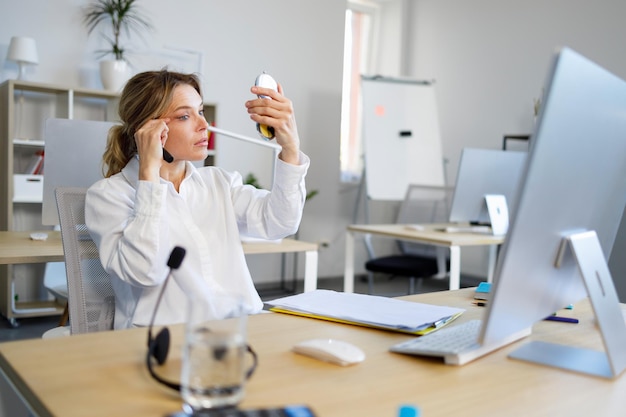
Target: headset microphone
{"points": [[159, 346]]}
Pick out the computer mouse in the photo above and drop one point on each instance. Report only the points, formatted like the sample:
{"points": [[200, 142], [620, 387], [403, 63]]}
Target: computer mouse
{"points": [[331, 350], [39, 236]]}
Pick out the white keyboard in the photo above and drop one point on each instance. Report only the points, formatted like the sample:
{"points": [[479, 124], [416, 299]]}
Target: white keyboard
{"points": [[457, 344]]}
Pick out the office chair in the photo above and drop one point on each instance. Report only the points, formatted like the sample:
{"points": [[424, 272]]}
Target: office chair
{"points": [[415, 261], [90, 295], [54, 280]]}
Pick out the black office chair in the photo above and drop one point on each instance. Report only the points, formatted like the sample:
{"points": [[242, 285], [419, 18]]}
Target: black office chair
{"points": [[415, 261]]}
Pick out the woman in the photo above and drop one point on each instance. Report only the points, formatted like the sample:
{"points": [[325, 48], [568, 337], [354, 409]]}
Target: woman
{"points": [[146, 206]]}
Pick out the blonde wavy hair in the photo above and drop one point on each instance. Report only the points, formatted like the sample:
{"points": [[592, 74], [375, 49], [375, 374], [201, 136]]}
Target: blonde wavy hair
{"points": [[146, 96]]}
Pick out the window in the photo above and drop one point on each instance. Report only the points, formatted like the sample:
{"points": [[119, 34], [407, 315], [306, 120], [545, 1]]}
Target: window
{"points": [[359, 49]]}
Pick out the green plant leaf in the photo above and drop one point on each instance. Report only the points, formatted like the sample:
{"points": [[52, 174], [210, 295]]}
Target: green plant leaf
{"points": [[311, 194], [121, 15], [252, 180]]}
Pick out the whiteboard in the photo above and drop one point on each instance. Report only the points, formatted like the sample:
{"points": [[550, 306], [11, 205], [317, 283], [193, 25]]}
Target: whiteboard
{"points": [[401, 136]]}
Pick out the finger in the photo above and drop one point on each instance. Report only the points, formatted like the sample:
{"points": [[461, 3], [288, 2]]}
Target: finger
{"points": [[264, 93], [164, 128]]}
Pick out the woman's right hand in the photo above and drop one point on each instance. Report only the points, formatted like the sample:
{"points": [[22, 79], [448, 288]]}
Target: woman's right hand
{"points": [[150, 139]]}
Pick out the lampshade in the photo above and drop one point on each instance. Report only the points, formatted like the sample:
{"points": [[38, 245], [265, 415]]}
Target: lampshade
{"points": [[22, 50]]}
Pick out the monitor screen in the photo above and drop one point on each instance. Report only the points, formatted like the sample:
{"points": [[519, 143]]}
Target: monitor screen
{"points": [[574, 180], [73, 152], [481, 172]]}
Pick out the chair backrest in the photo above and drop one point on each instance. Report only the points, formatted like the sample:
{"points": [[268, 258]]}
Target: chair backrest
{"points": [[90, 295], [424, 204]]}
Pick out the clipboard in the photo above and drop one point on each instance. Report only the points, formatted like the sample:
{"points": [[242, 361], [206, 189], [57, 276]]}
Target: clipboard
{"points": [[421, 332]]}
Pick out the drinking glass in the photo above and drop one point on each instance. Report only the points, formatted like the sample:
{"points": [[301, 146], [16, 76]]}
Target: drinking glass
{"points": [[214, 358]]}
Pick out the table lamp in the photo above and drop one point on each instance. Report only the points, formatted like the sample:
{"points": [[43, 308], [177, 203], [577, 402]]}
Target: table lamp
{"points": [[22, 50]]}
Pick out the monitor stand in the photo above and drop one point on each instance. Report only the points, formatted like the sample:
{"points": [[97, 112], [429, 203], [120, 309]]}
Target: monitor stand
{"points": [[601, 291], [495, 208]]}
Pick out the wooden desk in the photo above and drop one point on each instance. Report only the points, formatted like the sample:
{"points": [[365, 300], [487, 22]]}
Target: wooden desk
{"points": [[289, 246], [430, 236], [19, 248], [103, 374]]}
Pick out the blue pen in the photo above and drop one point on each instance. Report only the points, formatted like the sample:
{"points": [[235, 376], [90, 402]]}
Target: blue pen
{"points": [[561, 319]]}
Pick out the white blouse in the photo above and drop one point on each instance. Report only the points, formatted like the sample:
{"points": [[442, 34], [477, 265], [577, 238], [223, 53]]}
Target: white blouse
{"points": [[136, 224]]}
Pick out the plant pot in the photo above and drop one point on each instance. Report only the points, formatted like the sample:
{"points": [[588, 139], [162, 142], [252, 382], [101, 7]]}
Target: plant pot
{"points": [[114, 74]]}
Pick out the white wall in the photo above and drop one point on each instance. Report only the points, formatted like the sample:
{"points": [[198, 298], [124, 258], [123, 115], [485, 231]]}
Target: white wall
{"points": [[299, 42], [489, 58]]}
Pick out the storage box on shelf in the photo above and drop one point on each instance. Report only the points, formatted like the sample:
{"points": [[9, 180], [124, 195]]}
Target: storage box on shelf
{"points": [[27, 188]]}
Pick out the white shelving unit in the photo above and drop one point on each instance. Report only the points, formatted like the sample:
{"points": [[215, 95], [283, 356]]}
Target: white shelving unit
{"points": [[24, 108]]}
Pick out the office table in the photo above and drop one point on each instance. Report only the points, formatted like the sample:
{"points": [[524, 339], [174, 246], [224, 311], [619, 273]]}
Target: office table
{"points": [[19, 248], [431, 236], [290, 246], [103, 374]]}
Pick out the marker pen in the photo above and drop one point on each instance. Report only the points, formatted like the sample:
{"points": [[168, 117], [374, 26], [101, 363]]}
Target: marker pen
{"points": [[408, 410], [561, 319]]}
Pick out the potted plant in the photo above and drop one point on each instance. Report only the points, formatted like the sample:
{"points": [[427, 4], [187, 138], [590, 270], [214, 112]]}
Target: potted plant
{"points": [[121, 16], [253, 181]]}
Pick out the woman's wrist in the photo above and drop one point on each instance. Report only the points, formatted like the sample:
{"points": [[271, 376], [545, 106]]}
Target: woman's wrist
{"points": [[148, 173], [290, 156]]}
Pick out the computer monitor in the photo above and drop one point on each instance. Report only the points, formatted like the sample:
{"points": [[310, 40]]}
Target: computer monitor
{"points": [[73, 152], [482, 172], [574, 181]]}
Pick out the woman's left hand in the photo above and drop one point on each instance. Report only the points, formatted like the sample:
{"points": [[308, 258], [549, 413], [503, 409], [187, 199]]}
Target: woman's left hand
{"points": [[277, 113]]}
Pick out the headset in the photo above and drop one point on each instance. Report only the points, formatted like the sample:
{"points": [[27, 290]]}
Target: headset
{"points": [[159, 346]]}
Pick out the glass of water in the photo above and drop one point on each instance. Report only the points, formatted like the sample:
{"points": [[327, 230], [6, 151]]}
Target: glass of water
{"points": [[214, 367]]}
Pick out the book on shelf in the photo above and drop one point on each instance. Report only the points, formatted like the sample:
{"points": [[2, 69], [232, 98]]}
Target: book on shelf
{"points": [[35, 166]]}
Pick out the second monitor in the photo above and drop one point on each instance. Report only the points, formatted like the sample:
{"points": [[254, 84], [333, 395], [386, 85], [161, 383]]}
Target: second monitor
{"points": [[483, 172]]}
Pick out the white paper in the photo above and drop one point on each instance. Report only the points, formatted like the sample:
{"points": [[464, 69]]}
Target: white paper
{"points": [[367, 309]]}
